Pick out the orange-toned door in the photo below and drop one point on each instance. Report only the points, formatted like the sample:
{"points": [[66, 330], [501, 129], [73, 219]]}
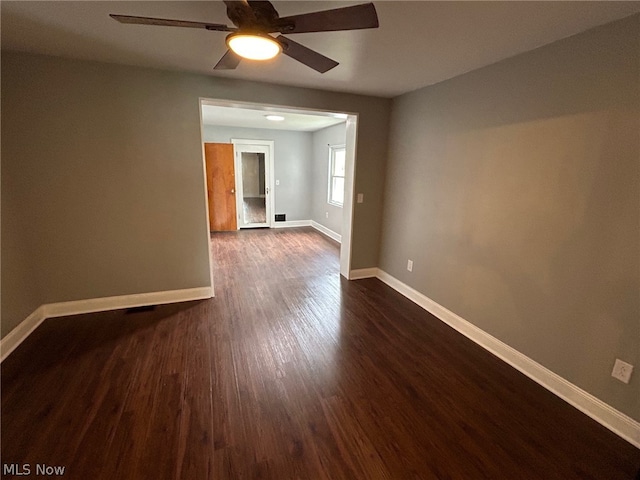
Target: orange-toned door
{"points": [[221, 186]]}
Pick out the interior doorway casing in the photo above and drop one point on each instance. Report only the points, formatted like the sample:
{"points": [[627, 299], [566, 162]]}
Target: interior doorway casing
{"points": [[351, 144], [240, 145]]}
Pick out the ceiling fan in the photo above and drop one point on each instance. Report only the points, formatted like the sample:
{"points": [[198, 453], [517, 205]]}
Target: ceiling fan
{"points": [[255, 21]]}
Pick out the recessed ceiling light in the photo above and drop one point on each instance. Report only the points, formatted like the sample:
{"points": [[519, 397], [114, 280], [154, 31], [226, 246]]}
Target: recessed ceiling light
{"points": [[274, 118], [253, 47]]}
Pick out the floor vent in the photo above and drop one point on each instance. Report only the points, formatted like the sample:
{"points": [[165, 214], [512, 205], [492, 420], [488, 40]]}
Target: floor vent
{"points": [[145, 308]]}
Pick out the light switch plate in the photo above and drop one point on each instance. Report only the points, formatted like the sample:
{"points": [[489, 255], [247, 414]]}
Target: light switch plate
{"points": [[360, 198]]}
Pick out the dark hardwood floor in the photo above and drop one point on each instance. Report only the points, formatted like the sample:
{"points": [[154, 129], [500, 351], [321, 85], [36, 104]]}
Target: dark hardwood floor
{"points": [[291, 372]]}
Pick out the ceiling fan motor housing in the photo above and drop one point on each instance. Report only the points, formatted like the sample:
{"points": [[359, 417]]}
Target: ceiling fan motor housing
{"points": [[258, 16]]}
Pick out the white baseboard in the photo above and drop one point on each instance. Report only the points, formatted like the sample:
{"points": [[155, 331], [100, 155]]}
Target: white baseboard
{"points": [[619, 423], [363, 273], [51, 310], [16, 336], [329, 233], [292, 223]]}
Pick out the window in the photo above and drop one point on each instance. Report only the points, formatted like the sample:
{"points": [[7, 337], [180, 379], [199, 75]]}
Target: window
{"points": [[337, 157]]}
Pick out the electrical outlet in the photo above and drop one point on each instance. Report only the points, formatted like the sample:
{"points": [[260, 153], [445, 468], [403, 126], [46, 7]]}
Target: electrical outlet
{"points": [[622, 371], [410, 265], [360, 198], [277, 182], [326, 214]]}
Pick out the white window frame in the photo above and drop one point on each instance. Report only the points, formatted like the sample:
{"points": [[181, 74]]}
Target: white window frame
{"points": [[332, 150]]}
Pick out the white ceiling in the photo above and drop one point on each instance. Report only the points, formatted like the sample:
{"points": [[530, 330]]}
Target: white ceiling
{"points": [[256, 118], [418, 43]]}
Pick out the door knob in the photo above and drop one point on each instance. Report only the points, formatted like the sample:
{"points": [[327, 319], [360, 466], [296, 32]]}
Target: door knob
{"points": [[233, 190]]}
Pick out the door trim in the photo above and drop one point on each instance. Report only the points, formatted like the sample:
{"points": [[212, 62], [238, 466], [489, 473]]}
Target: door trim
{"points": [[206, 200], [348, 210], [269, 171]]}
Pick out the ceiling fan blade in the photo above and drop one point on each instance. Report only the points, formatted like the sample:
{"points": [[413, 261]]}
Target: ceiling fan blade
{"points": [[229, 61], [305, 55], [170, 23], [346, 18]]}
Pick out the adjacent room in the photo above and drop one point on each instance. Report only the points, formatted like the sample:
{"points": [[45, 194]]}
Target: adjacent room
{"points": [[302, 185], [424, 264]]}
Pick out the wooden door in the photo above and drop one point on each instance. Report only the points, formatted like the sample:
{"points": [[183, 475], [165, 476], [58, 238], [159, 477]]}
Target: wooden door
{"points": [[221, 186]]}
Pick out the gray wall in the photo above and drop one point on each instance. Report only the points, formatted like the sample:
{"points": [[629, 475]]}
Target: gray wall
{"points": [[334, 135], [104, 164], [20, 289], [515, 189], [104, 167], [292, 164]]}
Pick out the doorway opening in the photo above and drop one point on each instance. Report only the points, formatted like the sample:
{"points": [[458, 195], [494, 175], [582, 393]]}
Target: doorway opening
{"points": [[261, 205]]}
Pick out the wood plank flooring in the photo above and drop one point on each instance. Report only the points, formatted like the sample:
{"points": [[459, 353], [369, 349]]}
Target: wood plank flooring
{"points": [[291, 372]]}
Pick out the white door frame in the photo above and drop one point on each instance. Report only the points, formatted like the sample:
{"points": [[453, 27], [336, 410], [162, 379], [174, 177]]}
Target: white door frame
{"points": [[239, 145], [349, 194], [206, 200], [351, 143]]}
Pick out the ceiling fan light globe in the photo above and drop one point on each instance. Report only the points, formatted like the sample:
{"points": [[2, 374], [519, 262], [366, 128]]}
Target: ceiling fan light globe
{"points": [[253, 46]]}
